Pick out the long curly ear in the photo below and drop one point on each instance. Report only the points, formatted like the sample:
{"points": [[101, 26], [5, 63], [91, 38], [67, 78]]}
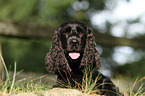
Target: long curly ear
{"points": [[91, 55], [55, 60]]}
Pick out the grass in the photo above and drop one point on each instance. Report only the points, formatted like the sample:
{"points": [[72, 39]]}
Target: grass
{"points": [[9, 84], [139, 92], [88, 84]]}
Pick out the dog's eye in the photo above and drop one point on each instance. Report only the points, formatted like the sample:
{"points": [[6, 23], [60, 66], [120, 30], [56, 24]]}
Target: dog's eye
{"points": [[79, 30], [67, 30]]}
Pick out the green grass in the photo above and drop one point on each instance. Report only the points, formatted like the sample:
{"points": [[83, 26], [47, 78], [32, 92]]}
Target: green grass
{"points": [[9, 84], [139, 92], [88, 84]]}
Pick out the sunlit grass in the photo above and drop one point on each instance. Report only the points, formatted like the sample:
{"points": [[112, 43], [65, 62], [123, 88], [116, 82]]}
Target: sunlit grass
{"points": [[9, 84], [139, 92], [89, 86]]}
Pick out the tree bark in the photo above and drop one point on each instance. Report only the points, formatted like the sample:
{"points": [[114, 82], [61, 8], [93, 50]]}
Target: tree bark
{"points": [[30, 31], [107, 40]]}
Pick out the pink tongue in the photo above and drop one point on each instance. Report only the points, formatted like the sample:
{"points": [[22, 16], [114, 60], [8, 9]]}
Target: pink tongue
{"points": [[74, 55]]}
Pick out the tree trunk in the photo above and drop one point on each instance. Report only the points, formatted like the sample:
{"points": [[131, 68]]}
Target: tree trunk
{"points": [[30, 31]]}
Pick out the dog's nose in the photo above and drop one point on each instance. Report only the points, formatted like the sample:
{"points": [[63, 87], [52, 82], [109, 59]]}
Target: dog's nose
{"points": [[74, 42]]}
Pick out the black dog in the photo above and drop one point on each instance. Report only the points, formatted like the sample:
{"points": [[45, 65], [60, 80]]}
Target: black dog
{"points": [[73, 50]]}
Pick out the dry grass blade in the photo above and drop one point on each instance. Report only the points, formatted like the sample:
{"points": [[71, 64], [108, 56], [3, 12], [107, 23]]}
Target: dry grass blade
{"points": [[2, 59], [13, 78], [135, 83]]}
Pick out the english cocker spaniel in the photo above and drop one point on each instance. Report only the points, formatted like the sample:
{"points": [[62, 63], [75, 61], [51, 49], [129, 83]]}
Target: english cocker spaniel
{"points": [[73, 50]]}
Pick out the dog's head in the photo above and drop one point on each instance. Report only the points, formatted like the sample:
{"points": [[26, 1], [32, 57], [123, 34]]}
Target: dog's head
{"points": [[72, 41]]}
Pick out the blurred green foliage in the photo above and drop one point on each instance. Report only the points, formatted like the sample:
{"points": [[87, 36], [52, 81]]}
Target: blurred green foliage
{"points": [[133, 70], [28, 54], [48, 12], [34, 11]]}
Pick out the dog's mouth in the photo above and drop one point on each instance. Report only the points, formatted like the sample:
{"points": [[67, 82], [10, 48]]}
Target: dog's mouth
{"points": [[74, 55]]}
